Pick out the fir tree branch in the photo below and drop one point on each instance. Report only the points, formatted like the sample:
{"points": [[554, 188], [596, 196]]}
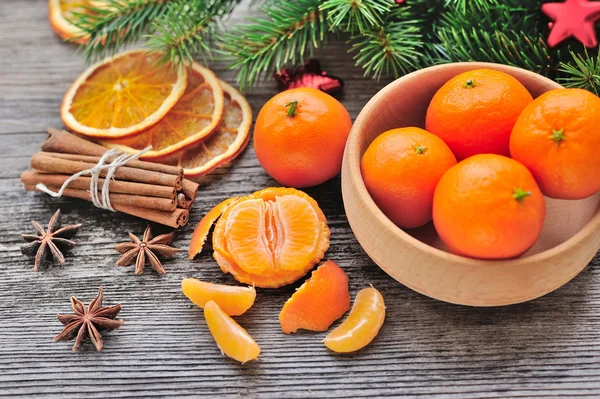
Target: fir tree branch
{"points": [[116, 24], [184, 30], [393, 48], [290, 30], [582, 72], [490, 35], [356, 16], [462, 6]]}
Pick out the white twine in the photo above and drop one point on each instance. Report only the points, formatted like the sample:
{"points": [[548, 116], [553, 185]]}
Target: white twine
{"points": [[102, 199]]}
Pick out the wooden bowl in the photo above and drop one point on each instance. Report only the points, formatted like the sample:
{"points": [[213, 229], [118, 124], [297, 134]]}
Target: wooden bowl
{"points": [[417, 258]]}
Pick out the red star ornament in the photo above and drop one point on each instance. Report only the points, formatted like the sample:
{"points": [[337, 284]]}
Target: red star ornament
{"points": [[573, 18]]}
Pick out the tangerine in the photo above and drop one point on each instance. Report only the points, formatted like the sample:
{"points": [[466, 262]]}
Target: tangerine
{"points": [[475, 111], [271, 238], [232, 300], [233, 340], [401, 168], [300, 136], [320, 301], [362, 324], [488, 206], [557, 138]]}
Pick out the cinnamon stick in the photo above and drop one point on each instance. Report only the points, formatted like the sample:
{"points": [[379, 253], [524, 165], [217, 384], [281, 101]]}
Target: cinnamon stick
{"points": [[46, 163], [177, 218], [161, 204], [83, 183], [67, 143]]}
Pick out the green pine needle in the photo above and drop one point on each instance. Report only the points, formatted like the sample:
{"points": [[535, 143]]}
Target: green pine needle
{"points": [[116, 25], [392, 49], [356, 16], [290, 31], [582, 72], [184, 30]]}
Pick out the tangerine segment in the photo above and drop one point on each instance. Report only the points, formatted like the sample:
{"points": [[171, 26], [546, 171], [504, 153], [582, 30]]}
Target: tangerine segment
{"points": [[232, 300], [122, 95], [194, 117], [226, 142], [60, 12], [274, 281], [320, 301], [233, 340], [362, 324], [271, 237], [203, 228]]}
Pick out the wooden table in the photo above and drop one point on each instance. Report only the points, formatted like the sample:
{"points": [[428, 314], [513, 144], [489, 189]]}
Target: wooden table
{"points": [[548, 347]]}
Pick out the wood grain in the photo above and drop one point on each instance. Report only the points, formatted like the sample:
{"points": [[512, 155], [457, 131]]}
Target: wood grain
{"points": [[546, 348]]}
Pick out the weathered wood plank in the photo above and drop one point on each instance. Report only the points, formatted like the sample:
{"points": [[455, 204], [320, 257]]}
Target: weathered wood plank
{"points": [[547, 348]]}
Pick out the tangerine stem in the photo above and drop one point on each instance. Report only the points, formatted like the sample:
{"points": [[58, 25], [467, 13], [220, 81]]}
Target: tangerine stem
{"points": [[292, 110], [558, 135], [420, 149], [470, 84], [519, 194]]}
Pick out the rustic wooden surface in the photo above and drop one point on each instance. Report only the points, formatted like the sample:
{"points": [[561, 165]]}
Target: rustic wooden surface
{"points": [[546, 348]]}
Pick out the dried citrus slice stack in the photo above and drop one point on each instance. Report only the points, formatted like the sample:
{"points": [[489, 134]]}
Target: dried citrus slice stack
{"points": [[122, 95], [60, 12], [267, 239], [193, 118], [226, 142]]}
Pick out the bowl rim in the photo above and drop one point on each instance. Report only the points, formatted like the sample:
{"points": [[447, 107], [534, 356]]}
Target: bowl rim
{"points": [[353, 156]]}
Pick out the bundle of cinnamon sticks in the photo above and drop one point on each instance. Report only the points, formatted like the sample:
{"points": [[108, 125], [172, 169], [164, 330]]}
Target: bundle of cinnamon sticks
{"points": [[155, 192]]}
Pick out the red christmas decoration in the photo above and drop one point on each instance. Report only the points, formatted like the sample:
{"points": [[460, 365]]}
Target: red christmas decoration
{"points": [[573, 18], [308, 75]]}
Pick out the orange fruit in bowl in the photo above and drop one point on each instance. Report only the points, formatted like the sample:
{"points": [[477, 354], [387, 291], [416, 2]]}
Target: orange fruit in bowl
{"points": [[233, 340], [193, 118], [320, 301], [488, 206], [557, 138], [300, 135], [231, 299], [122, 95], [475, 111], [362, 324], [401, 168]]}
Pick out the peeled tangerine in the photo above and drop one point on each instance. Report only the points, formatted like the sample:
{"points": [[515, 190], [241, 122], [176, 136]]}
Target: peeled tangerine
{"points": [[361, 325], [232, 300], [233, 340], [318, 302], [267, 239]]}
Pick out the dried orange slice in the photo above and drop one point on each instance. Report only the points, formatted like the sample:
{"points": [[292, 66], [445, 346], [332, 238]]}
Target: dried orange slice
{"points": [[232, 300], [362, 324], [61, 11], [320, 301], [271, 238], [228, 140], [233, 340], [122, 95], [203, 228], [194, 117]]}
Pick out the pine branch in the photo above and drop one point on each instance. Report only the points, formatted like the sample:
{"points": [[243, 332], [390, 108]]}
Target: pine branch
{"points": [[116, 24], [491, 36], [582, 72], [393, 48], [462, 6], [290, 31], [184, 30], [356, 16]]}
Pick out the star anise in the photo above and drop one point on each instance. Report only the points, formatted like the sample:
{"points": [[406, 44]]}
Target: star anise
{"points": [[55, 239], [139, 250], [88, 321]]}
